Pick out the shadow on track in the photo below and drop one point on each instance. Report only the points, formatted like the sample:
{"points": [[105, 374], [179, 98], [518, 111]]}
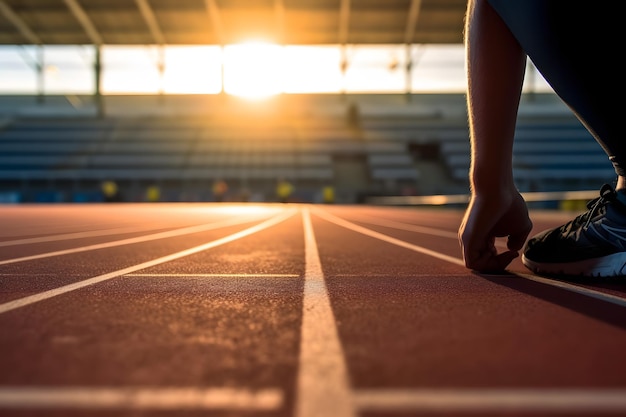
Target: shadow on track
{"points": [[592, 307]]}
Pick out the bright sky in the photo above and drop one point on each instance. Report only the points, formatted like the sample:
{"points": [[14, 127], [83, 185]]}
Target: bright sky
{"points": [[253, 69]]}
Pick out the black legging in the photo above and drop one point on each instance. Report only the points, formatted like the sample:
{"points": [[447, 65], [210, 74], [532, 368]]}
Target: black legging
{"points": [[576, 45]]}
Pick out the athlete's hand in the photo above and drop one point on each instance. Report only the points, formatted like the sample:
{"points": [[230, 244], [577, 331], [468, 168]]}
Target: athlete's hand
{"points": [[490, 216]]}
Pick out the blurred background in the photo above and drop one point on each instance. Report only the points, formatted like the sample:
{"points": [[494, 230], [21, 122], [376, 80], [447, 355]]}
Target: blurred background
{"points": [[322, 101]]}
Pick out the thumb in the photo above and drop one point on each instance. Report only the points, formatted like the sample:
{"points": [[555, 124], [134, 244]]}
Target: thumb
{"points": [[516, 242]]}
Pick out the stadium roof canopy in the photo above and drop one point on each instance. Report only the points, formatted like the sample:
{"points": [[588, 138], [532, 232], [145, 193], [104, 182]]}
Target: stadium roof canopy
{"points": [[221, 22]]}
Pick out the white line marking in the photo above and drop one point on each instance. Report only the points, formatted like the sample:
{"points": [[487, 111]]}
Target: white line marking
{"points": [[359, 229], [493, 400], [180, 275], [11, 305], [458, 261], [140, 239], [412, 228], [215, 275], [77, 235], [577, 289], [464, 198], [323, 385], [395, 275], [421, 229], [141, 398]]}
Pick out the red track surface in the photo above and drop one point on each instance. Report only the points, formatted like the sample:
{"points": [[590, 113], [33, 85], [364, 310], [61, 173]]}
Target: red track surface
{"points": [[290, 310]]}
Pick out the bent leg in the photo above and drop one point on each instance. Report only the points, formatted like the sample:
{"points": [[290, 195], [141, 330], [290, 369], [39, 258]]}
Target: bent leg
{"points": [[568, 44]]}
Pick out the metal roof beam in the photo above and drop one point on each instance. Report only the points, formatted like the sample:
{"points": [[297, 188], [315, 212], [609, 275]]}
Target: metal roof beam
{"points": [[84, 20], [344, 20], [411, 22], [19, 24], [216, 20], [148, 15]]}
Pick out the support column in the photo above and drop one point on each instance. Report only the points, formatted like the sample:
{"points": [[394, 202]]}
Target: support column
{"points": [[223, 63], [409, 72], [39, 67], [37, 64], [161, 68], [344, 68], [97, 77]]}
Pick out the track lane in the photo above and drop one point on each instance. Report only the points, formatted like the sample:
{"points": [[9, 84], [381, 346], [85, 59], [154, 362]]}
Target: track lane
{"points": [[445, 245], [418, 331], [468, 336], [227, 342], [23, 301]]}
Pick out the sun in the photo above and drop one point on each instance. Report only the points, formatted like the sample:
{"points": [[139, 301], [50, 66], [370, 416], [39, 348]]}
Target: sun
{"points": [[253, 69]]}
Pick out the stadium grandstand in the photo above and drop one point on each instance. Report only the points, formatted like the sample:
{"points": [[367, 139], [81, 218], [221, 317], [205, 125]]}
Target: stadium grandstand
{"points": [[64, 146]]}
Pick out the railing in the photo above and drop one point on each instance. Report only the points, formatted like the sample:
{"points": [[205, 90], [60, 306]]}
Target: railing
{"points": [[442, 200]]}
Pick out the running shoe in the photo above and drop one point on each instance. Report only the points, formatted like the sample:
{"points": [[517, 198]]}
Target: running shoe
{"points": [[591, 245]]}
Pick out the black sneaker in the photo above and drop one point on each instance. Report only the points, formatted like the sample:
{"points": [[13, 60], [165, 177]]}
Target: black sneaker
{"points": [[591, 245]]}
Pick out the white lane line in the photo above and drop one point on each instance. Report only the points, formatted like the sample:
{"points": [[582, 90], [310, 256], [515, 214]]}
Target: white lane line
{"points": [[458, 261], [20, 274], [323, 385], [395, 275], [141, 398], [140, 239], [422, 229], [412, 228], [493, 400], [577, 289], [359, 229], [215, 275], [76, 235], [21, 302]]}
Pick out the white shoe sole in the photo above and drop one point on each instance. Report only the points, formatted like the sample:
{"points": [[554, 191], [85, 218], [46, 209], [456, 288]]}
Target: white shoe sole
{"points": [[608, 266]]}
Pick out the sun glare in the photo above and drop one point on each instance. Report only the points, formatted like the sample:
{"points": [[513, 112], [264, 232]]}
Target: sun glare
{"points": [[253, 69]]}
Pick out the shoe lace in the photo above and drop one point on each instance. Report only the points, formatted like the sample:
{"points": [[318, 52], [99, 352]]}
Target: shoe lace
{"points": [[607, 195]]}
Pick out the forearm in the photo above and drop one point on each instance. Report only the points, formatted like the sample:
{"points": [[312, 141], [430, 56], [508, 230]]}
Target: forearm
{"points": [[495, 69]]}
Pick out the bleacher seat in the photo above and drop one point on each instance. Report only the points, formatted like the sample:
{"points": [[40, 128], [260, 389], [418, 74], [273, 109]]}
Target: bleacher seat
{"points": [[314, 149]]}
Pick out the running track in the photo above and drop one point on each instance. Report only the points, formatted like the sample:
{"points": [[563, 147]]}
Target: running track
{"points": [[290, 310]]}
